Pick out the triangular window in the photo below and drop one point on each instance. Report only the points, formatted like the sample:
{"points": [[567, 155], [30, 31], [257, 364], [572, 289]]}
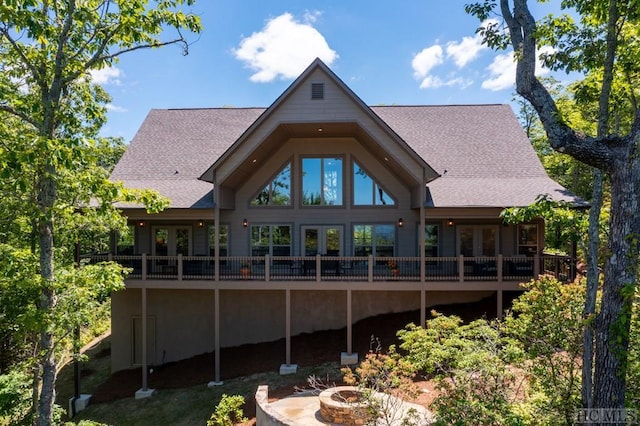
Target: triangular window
{"points": [[368, 192], [277, 192]]}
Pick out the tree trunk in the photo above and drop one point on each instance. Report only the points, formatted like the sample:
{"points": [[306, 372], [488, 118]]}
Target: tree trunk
{"points": [[46, 200], [591, 290], [612, 326]]}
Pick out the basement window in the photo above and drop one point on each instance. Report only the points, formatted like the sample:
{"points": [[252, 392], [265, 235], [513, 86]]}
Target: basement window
{"points": [[317, 91]]}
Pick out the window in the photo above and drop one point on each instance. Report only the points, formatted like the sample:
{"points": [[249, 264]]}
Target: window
{"points": [[223, 241], [528, 239], [431, 237], [322, 181], [366, 191], [274, 240], [277, 192], [377, 240], [125, 242]]}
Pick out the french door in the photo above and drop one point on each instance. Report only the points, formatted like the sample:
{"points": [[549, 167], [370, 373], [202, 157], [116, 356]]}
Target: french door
{"points": [[171, 241], [326, 240], [475, 241]]}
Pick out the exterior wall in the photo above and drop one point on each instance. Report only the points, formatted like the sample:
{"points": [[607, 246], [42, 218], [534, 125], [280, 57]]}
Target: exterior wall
{"points": [[184, 319], [183, 324]]}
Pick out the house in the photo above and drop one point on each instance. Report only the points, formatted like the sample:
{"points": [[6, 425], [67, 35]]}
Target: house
{"points": [[316, 212]]}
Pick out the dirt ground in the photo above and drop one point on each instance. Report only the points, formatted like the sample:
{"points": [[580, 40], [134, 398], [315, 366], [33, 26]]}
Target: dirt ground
{"points": [[306, 350]]}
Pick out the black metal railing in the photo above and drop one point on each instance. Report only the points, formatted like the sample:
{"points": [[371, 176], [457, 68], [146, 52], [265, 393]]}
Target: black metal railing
{"points": [[339, 268]]}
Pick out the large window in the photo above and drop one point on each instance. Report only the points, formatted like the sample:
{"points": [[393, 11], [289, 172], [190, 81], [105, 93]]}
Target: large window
{"points": [[377, 240], [322, 182], [274, 240], [223, 240], [277, 192], [366, 191], [431, 236]]}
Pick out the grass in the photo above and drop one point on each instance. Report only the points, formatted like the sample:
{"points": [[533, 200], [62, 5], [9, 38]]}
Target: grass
{"points": [[187, 406]]}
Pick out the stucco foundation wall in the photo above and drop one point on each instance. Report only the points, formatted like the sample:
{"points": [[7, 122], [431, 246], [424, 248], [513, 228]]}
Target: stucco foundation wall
{"points": [[183, 323], [184, 319], [251, 316]]}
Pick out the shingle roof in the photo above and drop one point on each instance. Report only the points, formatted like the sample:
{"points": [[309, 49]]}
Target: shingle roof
{"points": [[174, 146], [480, 151]]}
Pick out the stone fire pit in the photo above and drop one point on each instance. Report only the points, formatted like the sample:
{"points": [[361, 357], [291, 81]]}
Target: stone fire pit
{"points": [[343, 405]]}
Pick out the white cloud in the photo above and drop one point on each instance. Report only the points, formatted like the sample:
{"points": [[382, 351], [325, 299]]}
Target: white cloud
{"points": [[502, 70], [284, 48], [106, 75], [115, 108], [466, 50], [425, 61]]}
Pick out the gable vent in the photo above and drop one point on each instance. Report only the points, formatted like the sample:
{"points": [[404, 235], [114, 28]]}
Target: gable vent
{"points": [[317, 90]]}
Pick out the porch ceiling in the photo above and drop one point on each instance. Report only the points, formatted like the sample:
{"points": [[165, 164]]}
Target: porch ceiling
{"points": [[315, 130]]}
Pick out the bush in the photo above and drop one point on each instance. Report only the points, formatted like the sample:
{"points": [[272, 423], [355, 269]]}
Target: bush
{"points": [[470, 364], [387, 374], [228, 412], [15, 398], [546, 322]]}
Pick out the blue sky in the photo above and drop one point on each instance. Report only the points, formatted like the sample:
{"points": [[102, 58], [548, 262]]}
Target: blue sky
{"points": [[389, 53]]}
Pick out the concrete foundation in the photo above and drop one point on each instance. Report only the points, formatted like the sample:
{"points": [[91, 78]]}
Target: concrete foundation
{"points": [[79, 404], [288, 369], [142, 393], [348, 359]]}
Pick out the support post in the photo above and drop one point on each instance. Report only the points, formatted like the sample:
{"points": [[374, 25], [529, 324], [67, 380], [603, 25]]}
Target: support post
{"points": [[287, 367], [144, 392], [216, 328], [423, 307], [349, 357], [499, 310]]}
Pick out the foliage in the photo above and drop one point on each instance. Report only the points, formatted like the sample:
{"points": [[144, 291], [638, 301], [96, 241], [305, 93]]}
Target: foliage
{"points": [[378, 376], [547, 324], [599, 39], [563, 222], [633, 371], [14, 398], [228, 412], [55, 182], [470, 364]]}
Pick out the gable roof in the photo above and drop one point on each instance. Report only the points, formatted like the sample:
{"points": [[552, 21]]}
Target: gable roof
{"points": [[480, 152], [317, 69]]}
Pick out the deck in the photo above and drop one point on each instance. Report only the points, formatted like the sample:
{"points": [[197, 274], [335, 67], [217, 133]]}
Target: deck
{"points": [[460, 269]]}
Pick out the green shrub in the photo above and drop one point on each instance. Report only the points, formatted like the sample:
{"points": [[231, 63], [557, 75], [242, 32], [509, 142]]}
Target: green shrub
{"points": [[15, 398], [471, 365], [546, 322], [228, 412]]}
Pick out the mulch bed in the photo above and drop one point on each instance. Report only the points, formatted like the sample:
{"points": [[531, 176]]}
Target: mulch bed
{"points": [[306, 350]]}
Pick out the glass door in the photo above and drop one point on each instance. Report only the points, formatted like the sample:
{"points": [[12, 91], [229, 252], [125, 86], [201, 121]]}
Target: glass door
{"points": [[170, 241], [480, 242], [477, 241], [324, 240]]}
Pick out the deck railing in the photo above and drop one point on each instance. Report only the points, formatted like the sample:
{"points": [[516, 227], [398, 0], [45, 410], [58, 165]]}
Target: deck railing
{"points": [[339, 268]]}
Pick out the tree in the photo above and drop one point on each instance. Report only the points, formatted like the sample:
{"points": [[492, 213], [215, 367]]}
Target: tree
{"points": [[603, 41], [47, 49]]}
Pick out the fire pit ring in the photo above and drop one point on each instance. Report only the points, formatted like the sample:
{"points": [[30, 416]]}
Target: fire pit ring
{"points": [[344, 405]]}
